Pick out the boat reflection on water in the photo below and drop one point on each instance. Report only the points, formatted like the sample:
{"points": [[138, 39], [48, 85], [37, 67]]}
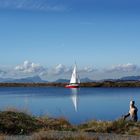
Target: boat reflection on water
{"points": [[74, 97]]}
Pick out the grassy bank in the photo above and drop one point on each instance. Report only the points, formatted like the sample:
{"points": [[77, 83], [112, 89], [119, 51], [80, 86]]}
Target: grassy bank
{"points": [[118, 127], [19, 123]]}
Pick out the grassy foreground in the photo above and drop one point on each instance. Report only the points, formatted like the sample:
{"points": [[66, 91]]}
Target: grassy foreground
{"points": [[19, 123]]}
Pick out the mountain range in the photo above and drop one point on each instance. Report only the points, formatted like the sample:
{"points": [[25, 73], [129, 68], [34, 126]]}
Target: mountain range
{"points": [[131, 78], [37, 79], [67, 81], [34, 79]]}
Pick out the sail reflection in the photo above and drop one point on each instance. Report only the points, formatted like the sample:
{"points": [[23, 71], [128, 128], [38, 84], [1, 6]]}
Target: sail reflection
{"points": [[74, 97]]}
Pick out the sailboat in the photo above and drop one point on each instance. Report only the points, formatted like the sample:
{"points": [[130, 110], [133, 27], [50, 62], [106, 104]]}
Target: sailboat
{"points": [[75, 80]]}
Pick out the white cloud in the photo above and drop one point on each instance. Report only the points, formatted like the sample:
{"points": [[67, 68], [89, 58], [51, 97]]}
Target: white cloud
{"points": [[2, 73], [60, 69], [65, 70], [123, 68], [41, 5], [87, 69], [29, 67]]}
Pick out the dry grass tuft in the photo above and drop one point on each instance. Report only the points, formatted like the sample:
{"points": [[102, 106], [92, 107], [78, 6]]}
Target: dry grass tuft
{"points": [[119, 127]]}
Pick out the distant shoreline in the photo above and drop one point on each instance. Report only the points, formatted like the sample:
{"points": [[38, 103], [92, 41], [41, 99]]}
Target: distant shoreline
{"points": [[86, 84]]}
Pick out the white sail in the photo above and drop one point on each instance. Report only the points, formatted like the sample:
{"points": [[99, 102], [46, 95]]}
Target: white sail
{"points": [[74, 78]]}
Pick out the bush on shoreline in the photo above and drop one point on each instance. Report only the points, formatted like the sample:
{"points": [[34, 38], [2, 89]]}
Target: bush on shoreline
{"points": [[19, 123]]}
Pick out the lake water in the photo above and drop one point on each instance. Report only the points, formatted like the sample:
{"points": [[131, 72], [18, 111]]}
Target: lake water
{"points": [[77, 106]]}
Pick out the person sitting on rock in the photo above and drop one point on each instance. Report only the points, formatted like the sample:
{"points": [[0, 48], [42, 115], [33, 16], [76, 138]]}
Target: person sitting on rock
{"points": [[132, 112]]}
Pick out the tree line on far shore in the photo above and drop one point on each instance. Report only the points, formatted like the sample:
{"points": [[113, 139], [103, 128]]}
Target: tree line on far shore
{"points": [[86, 84]]}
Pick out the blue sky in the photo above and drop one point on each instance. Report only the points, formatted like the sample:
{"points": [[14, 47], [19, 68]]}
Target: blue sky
{"points": [[41, 36]]}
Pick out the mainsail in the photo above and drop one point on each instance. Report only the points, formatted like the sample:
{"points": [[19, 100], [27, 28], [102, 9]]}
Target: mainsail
{"points": [[74, 77]]}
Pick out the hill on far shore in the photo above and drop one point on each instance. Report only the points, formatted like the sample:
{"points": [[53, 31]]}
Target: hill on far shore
{"points": [[34, 79], [37, 79]]}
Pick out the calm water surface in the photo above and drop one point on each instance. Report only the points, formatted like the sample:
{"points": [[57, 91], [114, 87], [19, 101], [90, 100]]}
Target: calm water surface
{"points": [[76, 105]]}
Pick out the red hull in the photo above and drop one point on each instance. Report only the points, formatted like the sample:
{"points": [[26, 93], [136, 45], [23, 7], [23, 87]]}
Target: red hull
{"points": [[72, 86]]}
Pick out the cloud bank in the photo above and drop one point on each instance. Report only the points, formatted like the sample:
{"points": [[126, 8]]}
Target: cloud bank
{"points": [[29, 67], [60, 71], [123, 68], [2, 73]]}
